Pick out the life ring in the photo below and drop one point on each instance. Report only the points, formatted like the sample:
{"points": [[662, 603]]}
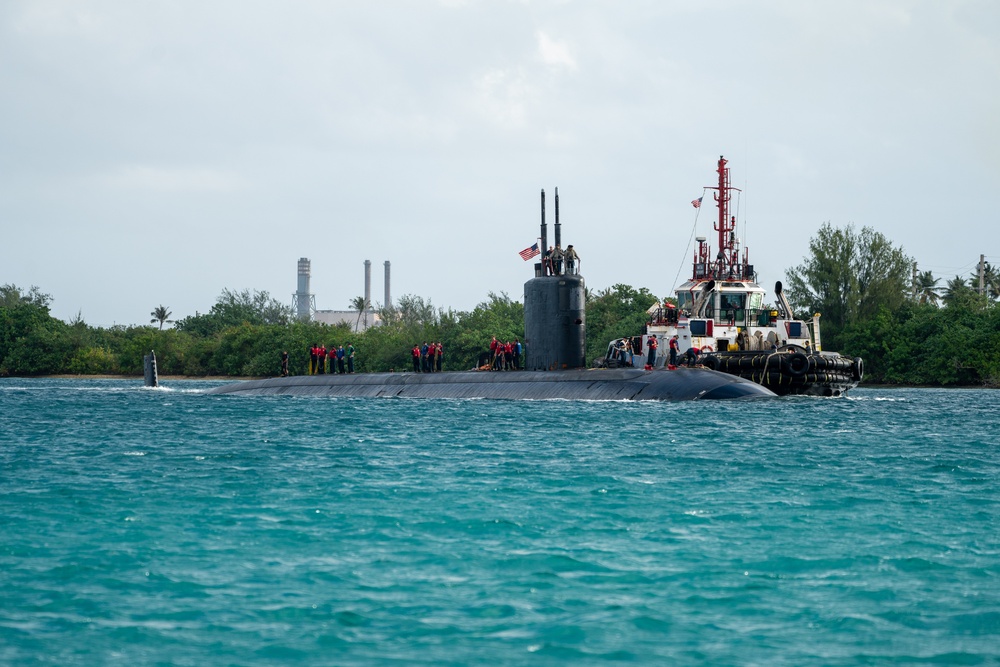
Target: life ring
{"points": [[858, 369], [796, 364], [707, 348]]}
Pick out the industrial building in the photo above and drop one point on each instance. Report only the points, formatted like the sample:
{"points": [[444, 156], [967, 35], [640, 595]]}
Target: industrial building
{"points": [[304, 301]]}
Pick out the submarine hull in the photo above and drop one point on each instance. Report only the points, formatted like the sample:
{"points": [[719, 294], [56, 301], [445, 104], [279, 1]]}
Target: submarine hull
{"points": [[625, 384]]}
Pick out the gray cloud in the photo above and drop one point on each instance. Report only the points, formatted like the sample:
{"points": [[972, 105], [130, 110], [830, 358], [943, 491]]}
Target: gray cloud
{"points": [[158, 153]]}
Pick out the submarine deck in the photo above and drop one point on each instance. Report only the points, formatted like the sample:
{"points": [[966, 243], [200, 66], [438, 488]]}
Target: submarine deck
{"points": [[630, 384]]}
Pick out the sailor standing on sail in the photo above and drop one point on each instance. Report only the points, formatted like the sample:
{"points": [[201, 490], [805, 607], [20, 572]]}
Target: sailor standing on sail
{"points": [[571, 260]]}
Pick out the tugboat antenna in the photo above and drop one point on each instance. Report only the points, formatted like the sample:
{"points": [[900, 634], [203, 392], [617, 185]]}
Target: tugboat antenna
{"points": [[726, 225]]}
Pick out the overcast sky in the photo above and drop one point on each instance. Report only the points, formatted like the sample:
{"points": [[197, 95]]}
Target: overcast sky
{"points": [[158, 152]]}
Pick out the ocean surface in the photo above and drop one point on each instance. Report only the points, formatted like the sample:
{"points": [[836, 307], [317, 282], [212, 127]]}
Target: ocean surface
{"points": [[169, 527]]}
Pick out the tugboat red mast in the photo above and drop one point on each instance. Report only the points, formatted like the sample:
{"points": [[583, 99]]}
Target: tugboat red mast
{"points": [[727, 264]]}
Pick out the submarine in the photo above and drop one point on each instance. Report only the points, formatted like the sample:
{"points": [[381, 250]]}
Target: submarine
{"points": [[555, 358]]}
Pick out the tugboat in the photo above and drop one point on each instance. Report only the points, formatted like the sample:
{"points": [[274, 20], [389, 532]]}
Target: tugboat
{"points": [[720, 321]]}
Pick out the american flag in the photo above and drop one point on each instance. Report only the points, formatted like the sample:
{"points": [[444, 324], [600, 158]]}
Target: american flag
{"points": [[528, 253], [696, 202]]}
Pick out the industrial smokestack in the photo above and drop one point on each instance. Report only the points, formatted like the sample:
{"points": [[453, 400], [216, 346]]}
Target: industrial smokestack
{"points": [[304, 301], [368, 283], [388, 294]]}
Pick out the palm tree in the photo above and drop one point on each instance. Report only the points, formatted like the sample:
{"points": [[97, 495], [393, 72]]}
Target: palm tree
{"points": [[991, 281], [927, 290], [161, 315], [360, 304], [955, 290]]}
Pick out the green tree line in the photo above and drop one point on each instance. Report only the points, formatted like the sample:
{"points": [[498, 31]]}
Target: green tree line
{"points": [[243, 334], [908, 331]]}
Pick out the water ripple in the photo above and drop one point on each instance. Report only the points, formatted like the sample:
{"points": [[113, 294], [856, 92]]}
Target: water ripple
{"points": [[156, 527]]}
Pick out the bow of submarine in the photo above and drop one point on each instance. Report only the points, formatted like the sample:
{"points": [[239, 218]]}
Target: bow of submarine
{"points": [[685, 384]]}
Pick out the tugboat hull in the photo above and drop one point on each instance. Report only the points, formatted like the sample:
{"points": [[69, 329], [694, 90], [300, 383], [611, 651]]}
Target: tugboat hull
{"points": [[791, 372]]}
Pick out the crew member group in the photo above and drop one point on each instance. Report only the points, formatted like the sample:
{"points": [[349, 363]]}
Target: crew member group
{"points": [[336, 358]]}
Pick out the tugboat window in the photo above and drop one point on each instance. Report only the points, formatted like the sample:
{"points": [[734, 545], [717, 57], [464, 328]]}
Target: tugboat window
{"points": [[733, 301], [684, 301], [733, 308]]}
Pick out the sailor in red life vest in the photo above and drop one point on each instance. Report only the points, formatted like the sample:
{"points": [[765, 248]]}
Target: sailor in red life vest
{"points": [[673, 351], [321, 360], [333, 358], [493, 353], [313, 351], [416, 358], [439, 348], [431, 352], [651, 357]]}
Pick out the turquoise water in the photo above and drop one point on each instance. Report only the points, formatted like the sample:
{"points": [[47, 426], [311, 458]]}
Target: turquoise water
{"points": [[165, 526]]}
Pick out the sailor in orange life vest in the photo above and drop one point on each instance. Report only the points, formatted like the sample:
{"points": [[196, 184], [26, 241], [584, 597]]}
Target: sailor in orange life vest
{"points": [[651, 357]]}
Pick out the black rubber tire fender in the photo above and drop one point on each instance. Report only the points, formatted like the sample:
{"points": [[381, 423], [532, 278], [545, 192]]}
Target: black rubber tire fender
{"points": [[796, 364], [858, 369]]}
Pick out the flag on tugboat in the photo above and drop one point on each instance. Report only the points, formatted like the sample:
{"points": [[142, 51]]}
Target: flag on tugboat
{"points": [[528, 253], [696, 202]]}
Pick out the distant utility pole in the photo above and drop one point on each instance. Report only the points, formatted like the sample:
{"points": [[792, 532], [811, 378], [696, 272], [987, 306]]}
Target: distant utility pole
{"points": [[914, 281], [982, 275]]}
